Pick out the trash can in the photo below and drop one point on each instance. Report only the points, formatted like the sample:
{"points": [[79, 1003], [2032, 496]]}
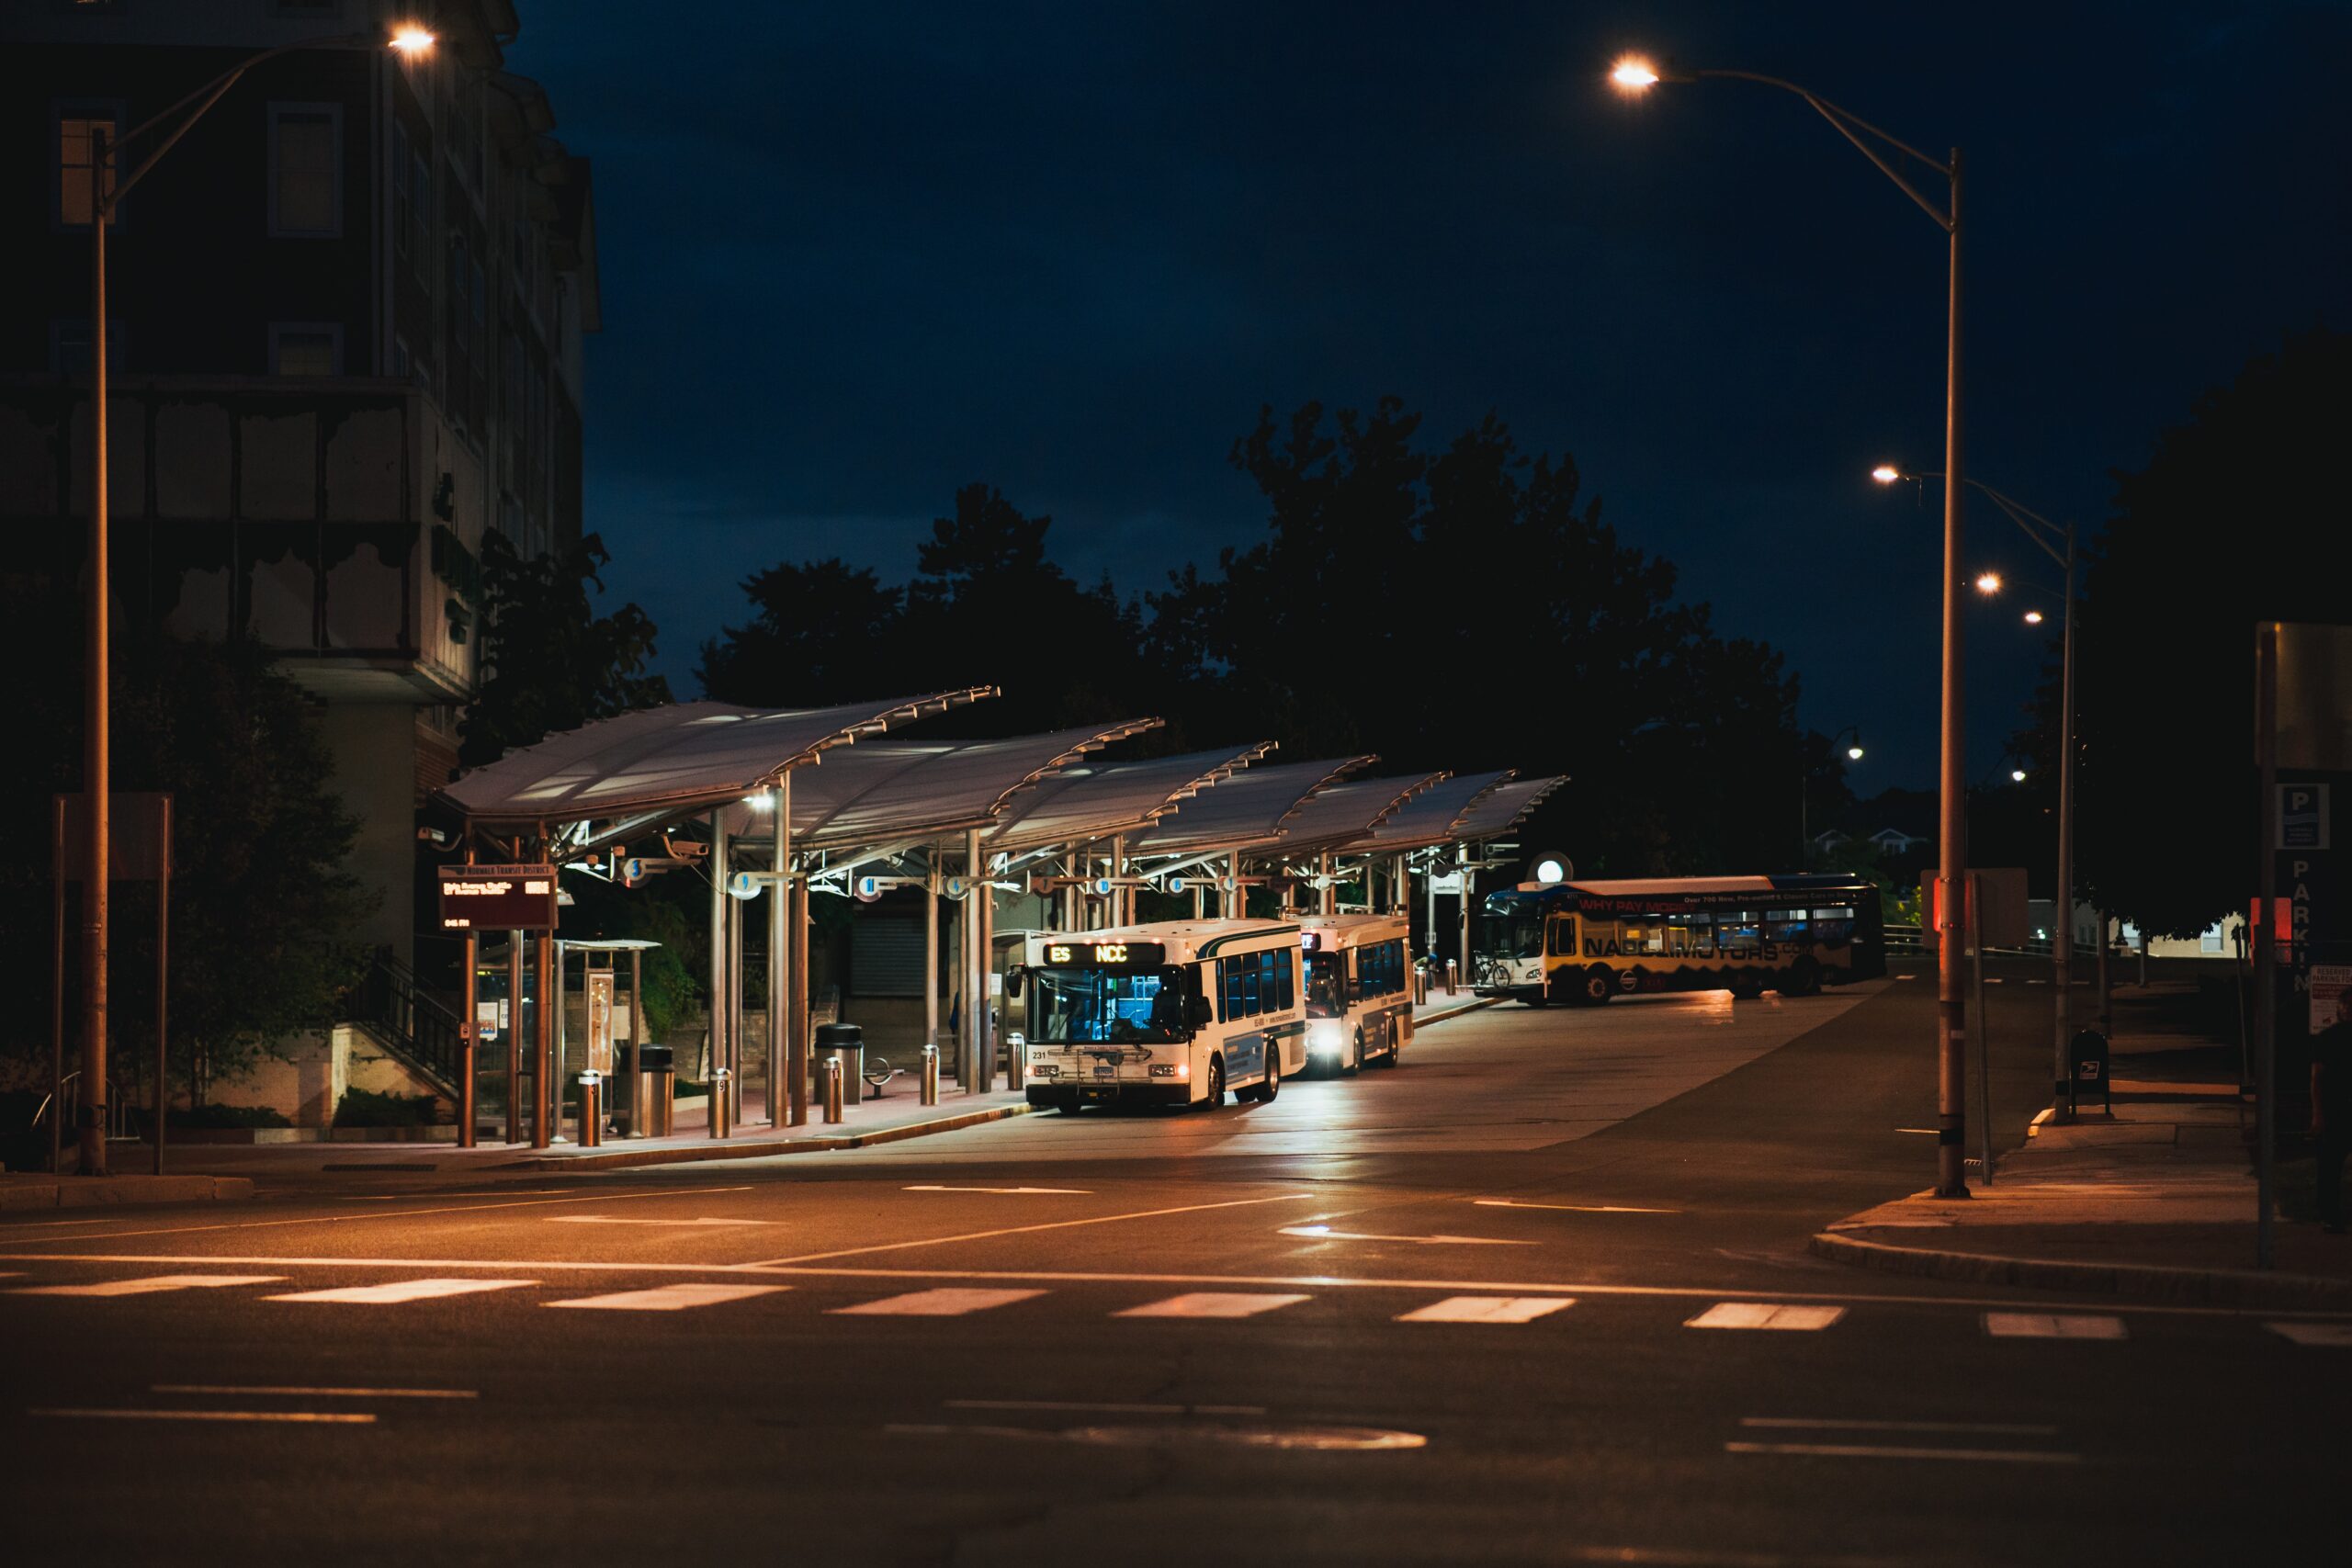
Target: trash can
{"points": [[653, 1093], [846, 1041]]}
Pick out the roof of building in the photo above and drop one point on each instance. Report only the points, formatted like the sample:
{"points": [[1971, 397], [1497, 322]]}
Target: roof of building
{"points": [[905, 792], [1252, 808], [659, 764], [1090, 801], [1345, 813]]}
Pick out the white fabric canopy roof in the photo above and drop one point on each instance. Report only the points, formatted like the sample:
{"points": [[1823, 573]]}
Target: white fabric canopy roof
{"points": [[1428, 818], [1500, 810], [1248, 809], [1342, 813]]}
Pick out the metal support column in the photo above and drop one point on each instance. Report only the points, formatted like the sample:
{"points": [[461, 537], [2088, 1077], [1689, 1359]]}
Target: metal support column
{"points": [[968, 1029], [1115, 910], [1328, 900], [780, 944], [469, 1027], [796, 1022], [987, 1038], [543, 1047], [931, 951], [718, 869], [561, 961], [1237, 897], [514, 1037], [1462, 914]]}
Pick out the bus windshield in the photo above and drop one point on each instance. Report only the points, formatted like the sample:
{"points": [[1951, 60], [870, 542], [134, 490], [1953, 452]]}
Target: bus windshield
{"points": [[1327, 990], [1516, 936], [1095, 1005]]}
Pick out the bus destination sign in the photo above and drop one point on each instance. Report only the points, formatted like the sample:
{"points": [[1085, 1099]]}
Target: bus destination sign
{"points": [[498, 898], [1147, 953]]}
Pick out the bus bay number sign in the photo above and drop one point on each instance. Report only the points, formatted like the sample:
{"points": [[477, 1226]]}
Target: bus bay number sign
{"points": [[498, 898]]}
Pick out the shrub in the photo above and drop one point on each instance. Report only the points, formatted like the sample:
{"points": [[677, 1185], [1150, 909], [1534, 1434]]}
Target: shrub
{"points": [[211, 1115], [365, 1108]]}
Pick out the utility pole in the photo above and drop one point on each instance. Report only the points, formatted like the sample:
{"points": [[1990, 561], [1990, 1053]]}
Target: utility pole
{"points": [[97, 767], [1952, 1008]]}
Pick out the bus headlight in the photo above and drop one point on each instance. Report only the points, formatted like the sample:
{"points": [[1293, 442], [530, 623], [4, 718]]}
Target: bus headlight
{"points": [[1323, 1036]]}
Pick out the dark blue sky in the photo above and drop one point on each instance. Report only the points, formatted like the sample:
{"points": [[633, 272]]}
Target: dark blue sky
{"points": [[854, 257]]}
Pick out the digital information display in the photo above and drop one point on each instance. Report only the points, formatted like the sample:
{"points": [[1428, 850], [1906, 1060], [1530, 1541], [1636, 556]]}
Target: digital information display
{"points": [[498, 898], [1147, 953]]}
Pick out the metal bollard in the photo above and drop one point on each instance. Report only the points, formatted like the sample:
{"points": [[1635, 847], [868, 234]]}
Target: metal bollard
{"points": [[1421, 984], [591, 1110], [833, 1088], [722, 1106], [1453, 974], [931, 1075]]}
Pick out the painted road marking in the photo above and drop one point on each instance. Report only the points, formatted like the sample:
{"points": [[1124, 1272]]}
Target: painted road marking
{"points": [[322, 1418], [936, 1187], [532, 1202], [1325, 1233], [1024, 1230], [1869, 1450], [273, 1391], [616, 1220], [1487, 1309], [935, 1303], [1835, 1424], [1569, 1207], [150, 1285], [402, 1291], [2053, 1326], [1211, 1303], [1766, 1315], [669, 1298], [2337, 1334]]}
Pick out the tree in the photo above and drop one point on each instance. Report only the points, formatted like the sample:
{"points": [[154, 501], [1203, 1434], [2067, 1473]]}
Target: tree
{"points": [[262, 908], [820, 634], [2222, 528], [551, 662]]}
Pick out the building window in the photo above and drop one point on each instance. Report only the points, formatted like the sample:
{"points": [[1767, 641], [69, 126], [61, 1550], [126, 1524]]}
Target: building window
{"points": [[305, 348], [305, 170], [77, 147]]}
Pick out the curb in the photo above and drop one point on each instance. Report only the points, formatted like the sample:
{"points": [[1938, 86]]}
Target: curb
{"points": [[622, 1159], [2204, 1287], [1455, 1011], [109, 1191]]}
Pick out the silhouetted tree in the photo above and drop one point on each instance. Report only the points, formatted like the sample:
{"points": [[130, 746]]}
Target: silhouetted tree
{"points": [[551, 663]]}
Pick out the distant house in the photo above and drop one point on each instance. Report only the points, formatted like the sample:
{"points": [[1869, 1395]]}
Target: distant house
{"points": [[1896, 841]]}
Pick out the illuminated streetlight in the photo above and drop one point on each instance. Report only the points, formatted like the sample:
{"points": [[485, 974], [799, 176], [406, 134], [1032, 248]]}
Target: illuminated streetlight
{"points": [[2017, 775], [412, 39], [1989, 583], [1886, 473], [1632, 73], [2033, 617], [1853, 754]]}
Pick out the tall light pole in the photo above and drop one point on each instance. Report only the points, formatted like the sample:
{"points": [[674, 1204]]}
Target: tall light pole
{"points": [[1636, 75], [2057, 542], [97, 768]]}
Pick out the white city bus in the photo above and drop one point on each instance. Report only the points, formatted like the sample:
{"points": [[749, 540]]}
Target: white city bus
{"points": [[1169, 1015], [1359, 988]]}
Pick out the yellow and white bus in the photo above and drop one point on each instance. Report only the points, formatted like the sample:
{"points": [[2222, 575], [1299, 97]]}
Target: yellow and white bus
{"points": [[1170, 1014], [1359, 988], [1587, 942]]}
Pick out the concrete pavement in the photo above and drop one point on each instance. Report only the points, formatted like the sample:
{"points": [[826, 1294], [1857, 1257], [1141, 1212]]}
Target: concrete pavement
{"points": [[1067, 1339]]}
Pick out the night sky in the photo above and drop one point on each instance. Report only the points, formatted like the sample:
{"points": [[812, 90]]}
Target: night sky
{"points": [[854, 257]]}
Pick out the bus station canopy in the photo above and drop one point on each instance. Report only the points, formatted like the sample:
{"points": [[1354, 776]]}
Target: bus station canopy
{"points": [[1090, 802], [1245, 811], [658, 765], [1428, 818], [890, 793], [1345, 813], [1500, 810]]}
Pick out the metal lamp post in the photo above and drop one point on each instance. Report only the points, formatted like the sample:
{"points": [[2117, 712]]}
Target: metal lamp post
{"points": [[2056, 541], [1636, 75], [106, 197]]}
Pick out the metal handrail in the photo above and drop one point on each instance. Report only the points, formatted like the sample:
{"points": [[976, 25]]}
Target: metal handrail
{"points": [[417, 1025], [70, 1088]]}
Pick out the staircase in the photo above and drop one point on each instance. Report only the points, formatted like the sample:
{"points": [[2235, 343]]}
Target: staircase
{"points": [[422, 1031]]}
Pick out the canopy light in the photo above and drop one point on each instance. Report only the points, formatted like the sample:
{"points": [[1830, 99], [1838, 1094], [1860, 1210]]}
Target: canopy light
{"points": [[412, 39]]}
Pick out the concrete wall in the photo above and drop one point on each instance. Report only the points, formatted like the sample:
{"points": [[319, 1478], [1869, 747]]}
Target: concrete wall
{"points": [[306, 1087]]}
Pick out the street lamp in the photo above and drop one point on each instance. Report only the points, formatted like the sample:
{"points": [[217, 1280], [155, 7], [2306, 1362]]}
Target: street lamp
{"points": [[2058, 542], [1634, 75], [97, 777], [1989, 583]]}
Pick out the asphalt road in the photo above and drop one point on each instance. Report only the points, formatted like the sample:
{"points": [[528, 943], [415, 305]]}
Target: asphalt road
{"points": [[1540, 1295]]}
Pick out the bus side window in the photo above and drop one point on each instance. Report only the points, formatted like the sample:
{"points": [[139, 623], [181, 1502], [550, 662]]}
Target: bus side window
{"points": [[1229, 982], [1248, 964], [1285, 971]]}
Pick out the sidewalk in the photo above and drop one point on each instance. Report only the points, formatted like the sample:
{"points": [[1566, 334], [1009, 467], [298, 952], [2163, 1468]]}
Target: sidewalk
{"points": [[2156, 1201], [33, 1189]]}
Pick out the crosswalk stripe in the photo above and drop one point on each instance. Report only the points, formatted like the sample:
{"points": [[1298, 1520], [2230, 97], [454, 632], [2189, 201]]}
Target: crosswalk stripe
{"points": [[2053, 1326], [669, 1298], [150, 1285], [1765, 1314], [1211, 1303], [935, 1303], [2336, 1335], [1487, 1309], [402, 1291]]}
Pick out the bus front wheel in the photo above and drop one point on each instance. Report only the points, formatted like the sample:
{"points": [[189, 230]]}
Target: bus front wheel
{"points": [[1272, 1084], [1354, 1063], [1213, 1092], [1746, 985], [1600, 985]]}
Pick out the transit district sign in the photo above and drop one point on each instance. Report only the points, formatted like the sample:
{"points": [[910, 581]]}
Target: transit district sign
{"points": [[498, 898]]}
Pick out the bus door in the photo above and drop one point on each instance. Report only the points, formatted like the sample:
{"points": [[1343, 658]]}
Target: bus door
{"points": [[1561, 950]]}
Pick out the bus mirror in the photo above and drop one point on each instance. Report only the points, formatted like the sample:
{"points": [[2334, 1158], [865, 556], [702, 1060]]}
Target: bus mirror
{"points": [[1013, 974], [1198, 1014]]}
